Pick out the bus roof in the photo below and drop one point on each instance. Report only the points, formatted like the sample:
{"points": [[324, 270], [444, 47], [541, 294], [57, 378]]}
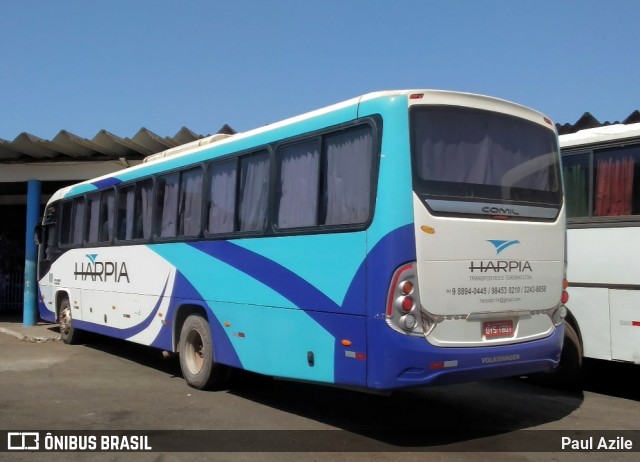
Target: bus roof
{"points": [[598, 135], [433, 96]]}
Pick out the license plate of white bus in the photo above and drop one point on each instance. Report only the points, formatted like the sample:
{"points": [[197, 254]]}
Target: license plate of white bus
{"points": [[494, 329]]}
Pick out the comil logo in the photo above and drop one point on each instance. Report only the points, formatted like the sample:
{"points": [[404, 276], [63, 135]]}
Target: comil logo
{"points": [[501, 245], [500, 211]]}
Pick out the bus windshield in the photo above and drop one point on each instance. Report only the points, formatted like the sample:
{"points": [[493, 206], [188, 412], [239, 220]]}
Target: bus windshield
{"points": [[466, 154]]}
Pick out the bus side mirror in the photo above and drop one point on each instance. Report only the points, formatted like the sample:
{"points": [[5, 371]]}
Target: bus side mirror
{"points": [[37, 237]]}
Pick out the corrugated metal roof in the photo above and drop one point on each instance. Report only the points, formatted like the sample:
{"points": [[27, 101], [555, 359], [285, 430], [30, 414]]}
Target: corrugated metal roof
{"points": [[589, 121], [66, 146]]}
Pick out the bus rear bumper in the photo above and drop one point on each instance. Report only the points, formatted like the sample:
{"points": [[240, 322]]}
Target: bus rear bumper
{"points": [[402, 361]]}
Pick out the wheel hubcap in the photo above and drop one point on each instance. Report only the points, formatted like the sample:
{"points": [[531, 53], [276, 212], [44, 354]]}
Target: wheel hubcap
{"points": [[65, 321], [194, 352]]}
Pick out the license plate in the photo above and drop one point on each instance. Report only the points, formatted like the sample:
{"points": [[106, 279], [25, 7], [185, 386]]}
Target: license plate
{"points": [[494, 329]]}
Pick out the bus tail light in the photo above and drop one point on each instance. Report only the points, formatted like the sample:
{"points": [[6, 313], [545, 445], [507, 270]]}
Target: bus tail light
{"points": [[558, 313], [407, 304], [404, 313], [564, 298]]}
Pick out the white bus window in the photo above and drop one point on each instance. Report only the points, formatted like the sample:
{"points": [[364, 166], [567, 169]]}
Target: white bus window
{"points": [[576, 183], [297, 197], [347, 184], [254, 189], [222, 197], [615, 181]]}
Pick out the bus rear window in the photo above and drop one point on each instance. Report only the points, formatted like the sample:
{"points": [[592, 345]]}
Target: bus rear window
{"points": [[465, 154]]}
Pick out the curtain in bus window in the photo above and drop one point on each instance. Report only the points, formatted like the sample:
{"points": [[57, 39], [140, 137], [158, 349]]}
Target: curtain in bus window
{"points": [[93, 222], [167, 211], [78, 221], [126, 213], [576, 190], [298, 187], [65, 227], [222, 198], [191, 202], [347, 189], [254, 187], [107, 214], [614, 187], [144, 205], [478, 147]]}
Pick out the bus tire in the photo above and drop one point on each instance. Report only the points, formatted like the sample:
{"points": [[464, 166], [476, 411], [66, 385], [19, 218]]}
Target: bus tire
{"points": [[68, 333], [569, 372], [196, 355]]}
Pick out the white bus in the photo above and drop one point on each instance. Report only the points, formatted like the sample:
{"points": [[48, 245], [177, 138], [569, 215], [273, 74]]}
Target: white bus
{"points": [[398, 239], [602, 184]]}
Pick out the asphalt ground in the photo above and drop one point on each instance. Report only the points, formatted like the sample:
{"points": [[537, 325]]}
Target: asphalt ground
{"points": [[108, 385]]}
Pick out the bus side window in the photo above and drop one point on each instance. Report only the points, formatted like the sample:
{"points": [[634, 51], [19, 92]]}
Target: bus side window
{"points": [[297, 197], [126, 198], [77, 221], [576, 184], [254, 191], [65, 223], [93, 218], [190, 209], [616, 185], [167, 205], [143, 208], [348, 167], [107, 215], [221, 200]]}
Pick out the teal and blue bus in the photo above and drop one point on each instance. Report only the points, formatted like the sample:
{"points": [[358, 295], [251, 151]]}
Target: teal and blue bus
{"points": [[398, 239]]}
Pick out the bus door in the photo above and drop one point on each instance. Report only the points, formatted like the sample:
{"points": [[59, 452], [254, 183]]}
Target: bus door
{"points": [[47, 253]]}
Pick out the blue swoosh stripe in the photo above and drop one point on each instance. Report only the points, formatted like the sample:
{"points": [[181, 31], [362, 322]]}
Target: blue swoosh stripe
{"points": [[128, 332], [282, 280]]}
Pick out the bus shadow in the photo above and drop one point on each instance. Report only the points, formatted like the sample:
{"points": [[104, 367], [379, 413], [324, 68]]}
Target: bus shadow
{"points": [[619, 380], [419, 418], [434, 417], [139, 354]]}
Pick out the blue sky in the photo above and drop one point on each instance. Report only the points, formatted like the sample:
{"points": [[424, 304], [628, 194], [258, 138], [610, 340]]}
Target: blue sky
{"points": [[120, 65]]}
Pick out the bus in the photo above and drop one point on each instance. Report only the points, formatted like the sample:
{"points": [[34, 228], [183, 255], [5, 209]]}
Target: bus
{"points": [[602, 183], [397, 239]]}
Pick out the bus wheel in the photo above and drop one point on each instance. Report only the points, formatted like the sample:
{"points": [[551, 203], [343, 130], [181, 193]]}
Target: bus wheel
{"points": [[69, 334], [196, 355], [569, 372]]}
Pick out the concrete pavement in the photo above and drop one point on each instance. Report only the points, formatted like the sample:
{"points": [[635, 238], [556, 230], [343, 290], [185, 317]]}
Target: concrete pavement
{"points": [[11, 324]]}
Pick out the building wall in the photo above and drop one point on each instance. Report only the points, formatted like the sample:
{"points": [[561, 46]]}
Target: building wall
{"points": [[13, 212]]}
